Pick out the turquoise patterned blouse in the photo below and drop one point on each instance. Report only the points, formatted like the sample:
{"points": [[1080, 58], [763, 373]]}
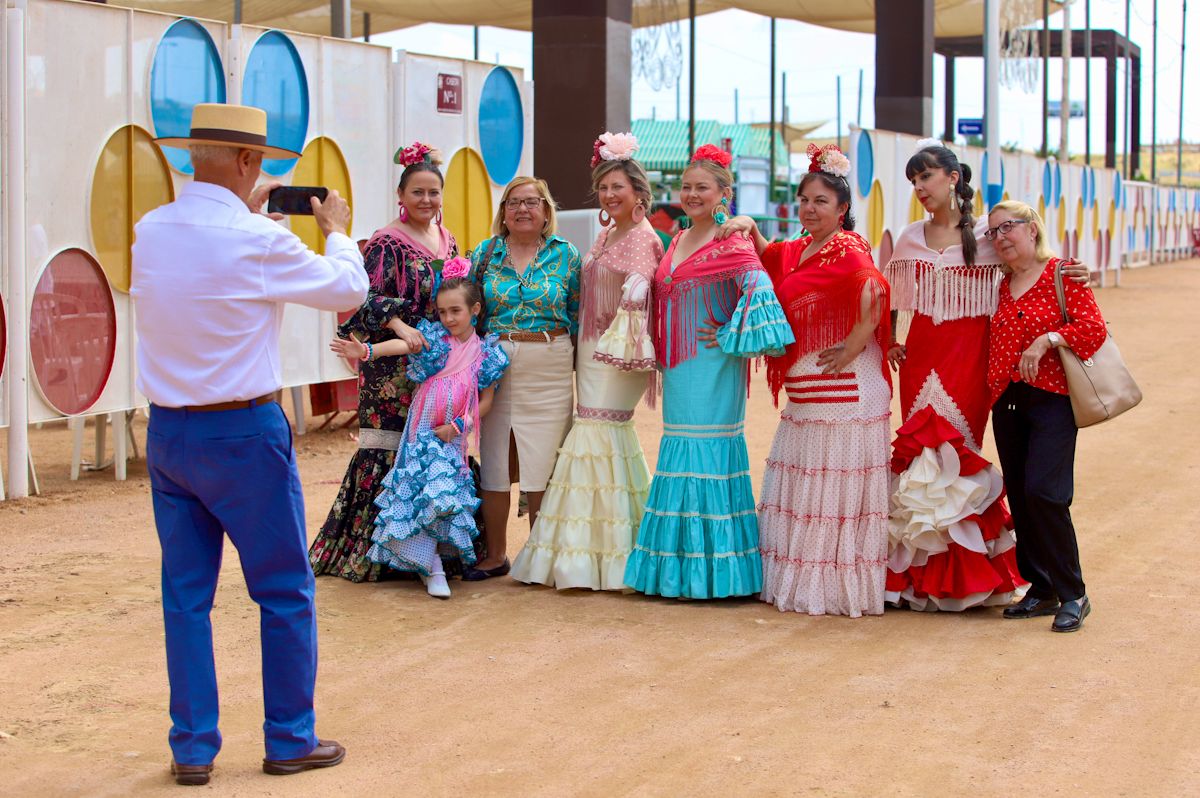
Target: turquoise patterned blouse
{"points": [[545, 297]]}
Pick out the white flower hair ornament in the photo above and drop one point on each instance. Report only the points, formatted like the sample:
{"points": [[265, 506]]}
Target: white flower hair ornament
{"points": [[828, 159], [925, 144], [614, 147]]}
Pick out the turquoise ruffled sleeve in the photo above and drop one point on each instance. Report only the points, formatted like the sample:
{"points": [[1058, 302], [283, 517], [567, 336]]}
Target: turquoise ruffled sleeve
{"points": [[758, 326], [432, 359], [494, 362]]}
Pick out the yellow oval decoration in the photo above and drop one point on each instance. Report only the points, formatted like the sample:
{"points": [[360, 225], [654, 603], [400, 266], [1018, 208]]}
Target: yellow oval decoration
{"points": [[467, 200], [321, 164], [916, 212], [1042, 208], [1062, 218], [131, 178], [1078, 217], [875, 213], [1112, 215]]}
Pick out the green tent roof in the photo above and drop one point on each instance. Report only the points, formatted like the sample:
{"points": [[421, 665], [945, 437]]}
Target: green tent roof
{"points": [[663, 143]]}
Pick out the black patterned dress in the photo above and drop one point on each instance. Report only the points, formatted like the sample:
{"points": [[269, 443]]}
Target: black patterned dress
{"points": [[402, 279]]}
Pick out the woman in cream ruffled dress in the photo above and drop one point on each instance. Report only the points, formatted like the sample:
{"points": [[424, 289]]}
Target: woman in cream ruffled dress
{"points": [[594, 502]]}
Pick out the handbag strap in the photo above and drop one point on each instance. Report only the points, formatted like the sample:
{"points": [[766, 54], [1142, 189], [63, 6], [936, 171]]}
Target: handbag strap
{"points": [[1060, 292]]}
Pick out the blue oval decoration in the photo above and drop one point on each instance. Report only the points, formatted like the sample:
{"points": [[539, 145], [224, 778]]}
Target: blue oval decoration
{"points": [[501, 125], [1047, 181], [275, 82], [1057, 184], [1117, 196], [186, 70], [864, 163]]}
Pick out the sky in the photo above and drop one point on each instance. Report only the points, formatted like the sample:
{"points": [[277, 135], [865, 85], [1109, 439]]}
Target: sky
{"points": [[733, 53]]}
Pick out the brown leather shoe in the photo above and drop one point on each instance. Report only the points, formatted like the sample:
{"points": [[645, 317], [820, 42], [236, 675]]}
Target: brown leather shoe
{"points": [[190, 775], [327, 754]]}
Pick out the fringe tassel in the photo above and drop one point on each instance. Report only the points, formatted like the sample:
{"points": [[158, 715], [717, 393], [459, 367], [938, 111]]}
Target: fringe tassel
{"points": [[677, 311], [944, 293], [601, 294]]}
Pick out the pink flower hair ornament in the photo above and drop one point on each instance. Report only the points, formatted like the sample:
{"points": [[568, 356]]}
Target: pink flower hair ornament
{"points": [[613, 147], [456, 267], [416, 153], [709, 152], [828, 159]]}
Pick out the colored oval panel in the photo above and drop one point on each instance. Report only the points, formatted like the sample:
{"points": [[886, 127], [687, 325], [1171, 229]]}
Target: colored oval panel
{"points": [[1061, 218], [1047, 180], [501, 125], [72, 332], [916, 211], [321, 164], [1112, 215], [131, 178], [467, 205], [1042, 208], [1078, 215], [864, 164], [1118, 194], [875, 211], [275, 81], [1057, 184], [186, 70]]}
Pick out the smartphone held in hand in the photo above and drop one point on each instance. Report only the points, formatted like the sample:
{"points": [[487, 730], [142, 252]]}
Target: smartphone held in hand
{"points": [[295, 200]]}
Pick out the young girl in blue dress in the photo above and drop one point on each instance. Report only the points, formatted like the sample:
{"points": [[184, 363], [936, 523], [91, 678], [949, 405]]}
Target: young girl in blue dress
{"points": [[429, 495]]}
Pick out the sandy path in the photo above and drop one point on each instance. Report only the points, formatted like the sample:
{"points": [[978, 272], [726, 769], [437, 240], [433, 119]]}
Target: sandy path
{"points": [[513, 690]]}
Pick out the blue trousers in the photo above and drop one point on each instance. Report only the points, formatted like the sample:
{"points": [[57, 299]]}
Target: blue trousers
{"points": [[233, 472]]}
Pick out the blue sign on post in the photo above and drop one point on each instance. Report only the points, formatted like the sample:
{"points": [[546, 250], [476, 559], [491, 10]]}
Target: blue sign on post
{"points": [[970, 127]]}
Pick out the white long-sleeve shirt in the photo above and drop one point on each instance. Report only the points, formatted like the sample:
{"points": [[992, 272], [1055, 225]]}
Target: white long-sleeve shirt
{"points": [[209, 283]]}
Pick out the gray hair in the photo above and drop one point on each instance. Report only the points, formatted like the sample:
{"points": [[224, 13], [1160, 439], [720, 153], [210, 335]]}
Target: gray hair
{"points": [[212, 154]]}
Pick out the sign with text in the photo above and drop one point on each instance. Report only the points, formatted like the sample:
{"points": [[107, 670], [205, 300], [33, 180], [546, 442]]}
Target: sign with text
{"points": [[449, 94], [970, 127]]}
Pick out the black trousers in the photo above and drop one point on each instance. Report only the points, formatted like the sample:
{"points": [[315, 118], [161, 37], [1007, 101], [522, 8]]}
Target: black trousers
{"points": [[1035, 438]]}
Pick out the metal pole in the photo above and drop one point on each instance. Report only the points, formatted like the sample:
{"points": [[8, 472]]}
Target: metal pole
{"points": [[691, 77], [1045, 77], [1087, 82], [839, 111], [858, 119], [736, 105], [237, 12], [476, 37], [339, 19], [991, 100], [1154, 101], [14, 166], [1128, 92], [366, 26], [1064, 111], [771, 178], [1182, 61]]}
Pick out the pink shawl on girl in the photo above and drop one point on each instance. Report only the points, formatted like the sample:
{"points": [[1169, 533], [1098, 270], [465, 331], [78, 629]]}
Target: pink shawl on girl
{"points": [[455, 387]]}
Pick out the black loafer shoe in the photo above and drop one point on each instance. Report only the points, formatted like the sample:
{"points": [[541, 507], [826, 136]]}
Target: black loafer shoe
{"points": [[472, 574], [327, 754], [191, 775], [1070, 616], [1032, 607]]}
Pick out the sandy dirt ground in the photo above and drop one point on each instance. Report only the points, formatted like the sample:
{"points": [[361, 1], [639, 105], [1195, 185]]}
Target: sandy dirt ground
{"points": [[515, 690]]}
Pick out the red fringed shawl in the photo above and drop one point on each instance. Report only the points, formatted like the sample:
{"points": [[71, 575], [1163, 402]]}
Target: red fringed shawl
{"points": [[710, 271], [821, 297]]}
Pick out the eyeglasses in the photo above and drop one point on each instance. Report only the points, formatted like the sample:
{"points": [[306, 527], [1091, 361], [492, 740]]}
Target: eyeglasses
{"points": [[513, 203], [1003, 229]]}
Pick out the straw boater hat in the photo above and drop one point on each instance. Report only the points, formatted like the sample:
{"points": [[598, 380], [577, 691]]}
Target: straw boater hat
{"points": [[218, 124]]}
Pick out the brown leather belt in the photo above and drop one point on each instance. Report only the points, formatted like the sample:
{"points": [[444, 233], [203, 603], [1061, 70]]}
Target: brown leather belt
{"points": [[529, 337], [243, 404]]}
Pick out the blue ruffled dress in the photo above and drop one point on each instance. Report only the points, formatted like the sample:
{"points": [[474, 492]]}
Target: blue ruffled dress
{"points": [[699, 535], [429, 495]]}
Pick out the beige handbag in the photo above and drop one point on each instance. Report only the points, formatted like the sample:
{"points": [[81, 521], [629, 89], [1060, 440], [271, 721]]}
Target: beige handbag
{"points": [[1101, 387]]}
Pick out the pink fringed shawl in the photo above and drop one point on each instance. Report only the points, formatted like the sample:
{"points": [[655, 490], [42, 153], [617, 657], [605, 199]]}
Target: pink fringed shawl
{"points": [[455, 387], [604, 275], [389, 239], [710, 271], [940, 284]]}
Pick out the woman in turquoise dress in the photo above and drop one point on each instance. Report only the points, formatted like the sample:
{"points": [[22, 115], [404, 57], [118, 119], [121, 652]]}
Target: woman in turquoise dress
{"points": [[714, 310]]}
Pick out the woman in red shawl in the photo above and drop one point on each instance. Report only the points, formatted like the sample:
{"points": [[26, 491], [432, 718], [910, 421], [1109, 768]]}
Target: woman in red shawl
{"points": [[824, 504]]}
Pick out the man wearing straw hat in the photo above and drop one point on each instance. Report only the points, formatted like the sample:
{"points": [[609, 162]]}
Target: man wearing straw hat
{"points": [[211, 276]]}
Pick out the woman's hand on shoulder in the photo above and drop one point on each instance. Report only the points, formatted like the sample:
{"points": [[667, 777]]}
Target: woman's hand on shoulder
{"points": [[738, 225], [1075, 271], [897, 353]]}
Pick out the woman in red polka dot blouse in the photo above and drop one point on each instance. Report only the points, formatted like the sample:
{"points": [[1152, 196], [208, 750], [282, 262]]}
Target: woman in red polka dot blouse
{"points": [[1031, 412]]}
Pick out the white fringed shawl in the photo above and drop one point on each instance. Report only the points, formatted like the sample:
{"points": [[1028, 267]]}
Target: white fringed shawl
{"points": [[940, 284]]}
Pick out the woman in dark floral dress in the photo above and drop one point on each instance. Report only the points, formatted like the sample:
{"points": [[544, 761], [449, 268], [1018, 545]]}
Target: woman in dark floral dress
{"points": [[404, 260]]}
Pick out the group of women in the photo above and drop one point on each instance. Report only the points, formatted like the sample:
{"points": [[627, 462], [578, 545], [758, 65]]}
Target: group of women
{"points": [[840, 527]]}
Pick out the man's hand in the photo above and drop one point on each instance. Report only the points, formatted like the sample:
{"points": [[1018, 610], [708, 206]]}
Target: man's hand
{"points": [[332, 215], [258, 198]]}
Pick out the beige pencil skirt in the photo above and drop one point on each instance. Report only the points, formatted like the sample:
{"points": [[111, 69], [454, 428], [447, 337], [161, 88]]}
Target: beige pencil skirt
{"points": [[533, 406]]}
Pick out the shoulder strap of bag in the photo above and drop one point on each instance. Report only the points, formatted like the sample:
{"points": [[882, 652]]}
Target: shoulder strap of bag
{"points": [[1060, 292]]}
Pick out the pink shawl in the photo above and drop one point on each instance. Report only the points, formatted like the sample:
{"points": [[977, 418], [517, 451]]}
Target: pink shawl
{"points": [[455, 387], [388, 239], [605, 272]]}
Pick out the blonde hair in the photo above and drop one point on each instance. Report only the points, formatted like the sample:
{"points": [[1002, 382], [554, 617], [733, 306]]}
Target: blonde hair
{"points": [[719, 173], [1020, 210], [633, 170], [551, 225]]}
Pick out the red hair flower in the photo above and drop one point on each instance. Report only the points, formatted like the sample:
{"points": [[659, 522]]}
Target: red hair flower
{"points": [[596, 159], [708, 152]]}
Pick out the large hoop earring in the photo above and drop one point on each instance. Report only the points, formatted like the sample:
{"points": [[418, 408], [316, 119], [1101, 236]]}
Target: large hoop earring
{"points": [[403, 214], [639, 212], [719, 214], [605, 218], [437, 219]]}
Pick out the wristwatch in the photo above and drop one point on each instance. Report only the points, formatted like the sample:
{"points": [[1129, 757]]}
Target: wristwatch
{"points": [[1055, 339]]}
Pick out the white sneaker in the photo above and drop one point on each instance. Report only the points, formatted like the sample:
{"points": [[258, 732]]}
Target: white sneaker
{"points": [[436, 585]]}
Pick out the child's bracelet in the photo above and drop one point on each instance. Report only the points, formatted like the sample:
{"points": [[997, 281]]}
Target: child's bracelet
{"points": [[459, 424], [370, 351]]}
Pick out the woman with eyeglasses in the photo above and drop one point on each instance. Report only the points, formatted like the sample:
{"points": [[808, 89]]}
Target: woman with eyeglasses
{"points": [[1032, 420], [951, 544], [530, 280]]}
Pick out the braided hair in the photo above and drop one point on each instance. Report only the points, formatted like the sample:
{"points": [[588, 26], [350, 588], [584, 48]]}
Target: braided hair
{"points": [[938, 157]]}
